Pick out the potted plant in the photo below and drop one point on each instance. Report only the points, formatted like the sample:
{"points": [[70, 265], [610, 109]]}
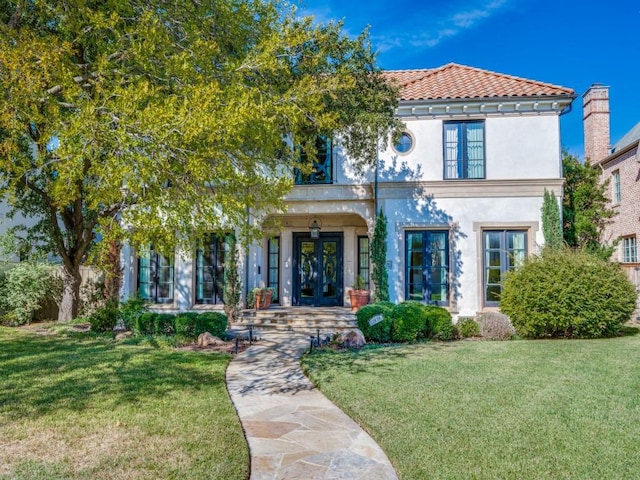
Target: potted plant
{"points": [[261, 298], [358, 294]]}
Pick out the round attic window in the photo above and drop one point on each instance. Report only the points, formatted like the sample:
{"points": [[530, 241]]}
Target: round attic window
{"points": [[405, 144]]}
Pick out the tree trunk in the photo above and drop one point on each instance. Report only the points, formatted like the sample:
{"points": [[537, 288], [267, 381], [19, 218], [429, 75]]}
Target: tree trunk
{"points": [[70, 303], [113, 272]]}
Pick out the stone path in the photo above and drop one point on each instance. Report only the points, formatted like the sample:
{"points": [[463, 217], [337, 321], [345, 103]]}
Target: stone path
{"points": [[293, 430]]}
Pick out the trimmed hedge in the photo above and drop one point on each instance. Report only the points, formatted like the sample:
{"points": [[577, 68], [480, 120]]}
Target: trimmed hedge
{"points": [[145, 324], [468, 327], [565, 293], [440, 323], [380, 332], [105, 318], [190, 324], [164, 324], [409, 321]]}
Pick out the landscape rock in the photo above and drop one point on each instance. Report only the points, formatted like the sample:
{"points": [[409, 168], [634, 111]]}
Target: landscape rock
{"points": [[352, 338], [206, 340], [123, 335]]}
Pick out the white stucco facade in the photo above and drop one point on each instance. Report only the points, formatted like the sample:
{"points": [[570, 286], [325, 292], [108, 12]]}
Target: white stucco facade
{"points": [[448, 238]]}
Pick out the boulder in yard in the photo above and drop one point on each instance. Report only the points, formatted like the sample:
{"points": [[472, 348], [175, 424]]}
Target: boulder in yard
{"points": [[206, 340], [352, 338]]}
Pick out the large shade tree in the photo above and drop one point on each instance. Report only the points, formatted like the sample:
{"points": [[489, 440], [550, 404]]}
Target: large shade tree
{"points": [[156, 121]]}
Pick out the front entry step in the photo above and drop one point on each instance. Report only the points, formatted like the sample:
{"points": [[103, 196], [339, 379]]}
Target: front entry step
{"points": [[298, 318]]}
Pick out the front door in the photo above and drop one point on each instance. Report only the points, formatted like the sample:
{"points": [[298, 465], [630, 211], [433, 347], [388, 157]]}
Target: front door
{"points": [[317, 270]]}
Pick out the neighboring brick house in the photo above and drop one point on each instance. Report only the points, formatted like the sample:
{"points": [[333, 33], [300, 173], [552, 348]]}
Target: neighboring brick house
{"points": [[620, 165], [462, 191]]}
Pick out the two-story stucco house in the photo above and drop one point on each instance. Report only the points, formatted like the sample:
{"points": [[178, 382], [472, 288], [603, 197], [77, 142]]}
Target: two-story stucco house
{"points": [[462, 192]]}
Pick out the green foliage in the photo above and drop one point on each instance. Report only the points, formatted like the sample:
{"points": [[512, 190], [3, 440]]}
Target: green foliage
{"points": [[409, 321], [164, 324], [25, 288], [551, 224], [190, 325], [379, 275], [380, 332], [440, 323], [496, 326], [166, 97], [105, 318], [145, 323], [359, 283], [568, 293], [585, 210], [232, 288], [468, 327], [131, 309]]}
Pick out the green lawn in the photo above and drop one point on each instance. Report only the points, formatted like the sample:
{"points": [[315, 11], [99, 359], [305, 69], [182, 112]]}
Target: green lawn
{"points": [[86, 408], [511, 410]]}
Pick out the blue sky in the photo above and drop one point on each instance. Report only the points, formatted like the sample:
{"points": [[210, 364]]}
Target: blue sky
{"points": [[565, 42]]}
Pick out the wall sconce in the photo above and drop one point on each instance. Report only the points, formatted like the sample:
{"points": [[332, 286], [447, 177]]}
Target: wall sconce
{"points": [[314, 228]]}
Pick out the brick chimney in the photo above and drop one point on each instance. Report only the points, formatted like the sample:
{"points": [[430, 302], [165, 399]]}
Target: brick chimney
{"points": [[595, 115]]}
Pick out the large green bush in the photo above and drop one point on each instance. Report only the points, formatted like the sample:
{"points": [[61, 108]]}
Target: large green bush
{"points": [[409, 321], [380, 332], [440, 323], [25, 288], [104, 319], [164, 324], [190, 324], [145, 324], [565, 293]]}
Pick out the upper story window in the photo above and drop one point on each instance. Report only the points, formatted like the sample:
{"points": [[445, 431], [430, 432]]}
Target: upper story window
{"points": [[405, 144], [629, 250], [155, 277], [615, 185], [464, 152], [322, 164]]}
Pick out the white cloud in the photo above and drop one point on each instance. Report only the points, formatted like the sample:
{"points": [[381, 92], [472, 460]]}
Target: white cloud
{"points": [[448, 25]]}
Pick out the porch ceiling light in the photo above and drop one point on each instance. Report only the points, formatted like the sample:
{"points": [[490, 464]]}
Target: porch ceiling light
{"points": [[314, 228]]}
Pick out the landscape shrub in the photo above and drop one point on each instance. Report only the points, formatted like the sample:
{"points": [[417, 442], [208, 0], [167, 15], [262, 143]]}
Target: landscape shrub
{"points": [[409, 321], [25, 288], [213, 322], [185, 324], [103, 319], [496, 326], [164, 324], [440, 323], [145, 324], [131, 309], [566, 293], [468, 327], [380, 332]]}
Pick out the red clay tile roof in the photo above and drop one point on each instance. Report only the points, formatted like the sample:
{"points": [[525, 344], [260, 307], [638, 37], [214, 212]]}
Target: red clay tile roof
{"points": [[453, 81]]}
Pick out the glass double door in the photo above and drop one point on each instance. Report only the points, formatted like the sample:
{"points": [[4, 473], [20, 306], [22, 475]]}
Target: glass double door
{"points": [[317, 270]]}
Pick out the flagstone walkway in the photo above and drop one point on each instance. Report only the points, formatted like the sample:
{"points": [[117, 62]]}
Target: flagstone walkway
{"points": [[293, 430]]}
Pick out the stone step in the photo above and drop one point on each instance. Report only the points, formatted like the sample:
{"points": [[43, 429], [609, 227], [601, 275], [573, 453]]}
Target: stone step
{"points": [[297, 319]]}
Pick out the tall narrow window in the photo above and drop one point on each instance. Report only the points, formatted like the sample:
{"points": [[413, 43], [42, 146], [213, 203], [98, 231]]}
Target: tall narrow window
{"points": [[504, 250], [629, 250], [322, 164], [427, 266], [615, 185], [273, 268], [155, 277], [464, 150], [210, 258], [363, 260]]}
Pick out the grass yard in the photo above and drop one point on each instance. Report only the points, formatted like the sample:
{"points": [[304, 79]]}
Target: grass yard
{"points": [[86, 408], [511, 410]]}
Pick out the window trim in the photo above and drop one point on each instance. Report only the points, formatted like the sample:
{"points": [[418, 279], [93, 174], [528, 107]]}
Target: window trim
{"points": [[503, 256], [218, 298], [413, 143], [153, 298], [360, 267], [616, 188], [631, 249], [426, 275], [462, 143]]}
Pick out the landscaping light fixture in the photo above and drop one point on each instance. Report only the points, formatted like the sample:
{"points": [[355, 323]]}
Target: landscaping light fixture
{"points": [[314, 228]]}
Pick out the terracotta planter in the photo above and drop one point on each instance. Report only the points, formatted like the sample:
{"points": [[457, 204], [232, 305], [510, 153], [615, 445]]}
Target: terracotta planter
{"points": [[262, 303], [359, 298]]}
